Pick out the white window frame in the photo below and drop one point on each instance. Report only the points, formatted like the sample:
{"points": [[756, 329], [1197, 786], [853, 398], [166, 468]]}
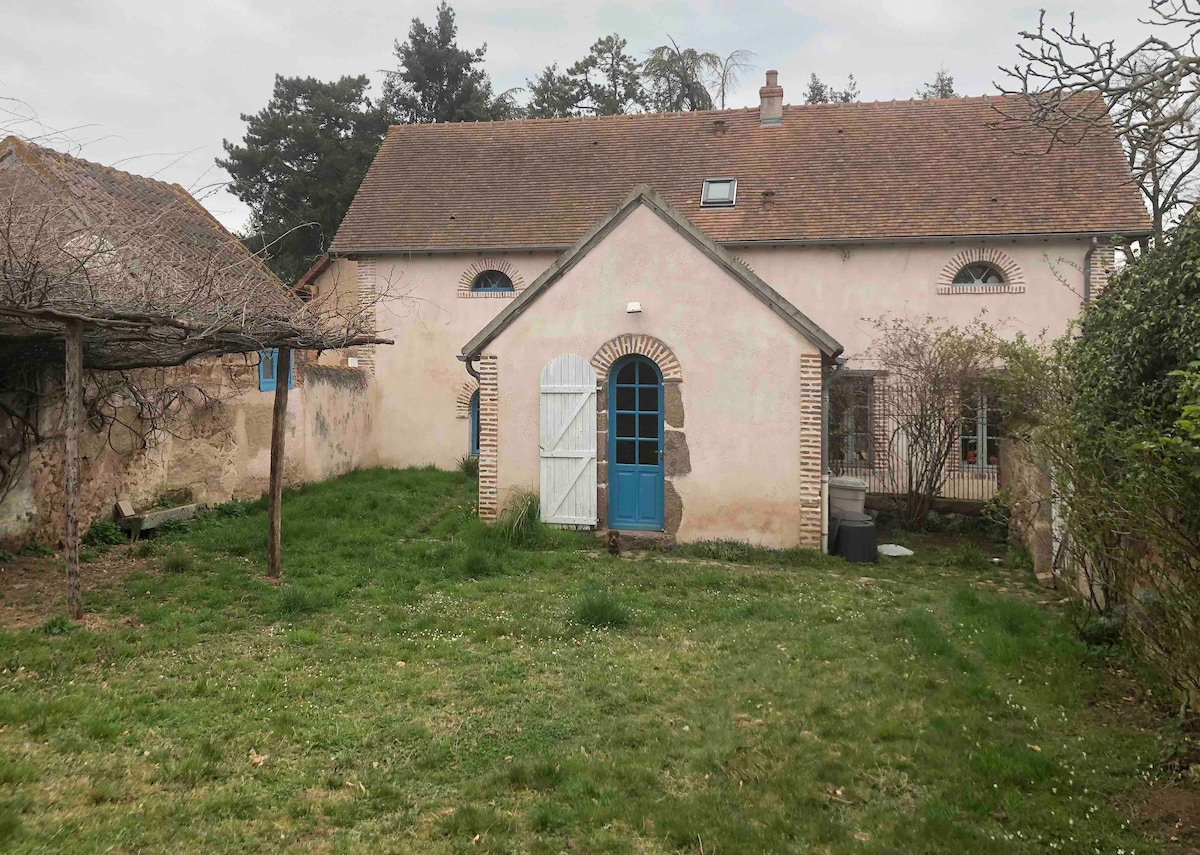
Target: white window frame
{"points": [[980, 399]]}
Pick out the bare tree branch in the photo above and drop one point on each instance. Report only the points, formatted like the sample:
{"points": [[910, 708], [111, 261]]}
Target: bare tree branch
{"points": [[1147, 95]]}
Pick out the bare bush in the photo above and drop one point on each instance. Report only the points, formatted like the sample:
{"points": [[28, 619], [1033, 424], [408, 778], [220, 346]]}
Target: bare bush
{"points": [[929, 367]]}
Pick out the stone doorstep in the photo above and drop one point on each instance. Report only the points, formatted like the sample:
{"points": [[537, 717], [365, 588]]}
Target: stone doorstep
{"points": [[633, 539]]}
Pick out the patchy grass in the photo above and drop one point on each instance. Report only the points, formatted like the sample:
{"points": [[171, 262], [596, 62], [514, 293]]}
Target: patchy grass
{"points": [[420, 684], [598, 607]]}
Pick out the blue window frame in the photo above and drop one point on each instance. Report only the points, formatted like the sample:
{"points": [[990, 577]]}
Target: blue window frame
{"points": [[492, 280], [475, 424], [268, 366]]}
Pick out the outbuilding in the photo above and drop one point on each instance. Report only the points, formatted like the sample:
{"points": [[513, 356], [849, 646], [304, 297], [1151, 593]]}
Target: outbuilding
{"points": [[580, 393]]}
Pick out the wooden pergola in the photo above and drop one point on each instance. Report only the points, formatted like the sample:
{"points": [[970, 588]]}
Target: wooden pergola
{"points": [[104, 271]]}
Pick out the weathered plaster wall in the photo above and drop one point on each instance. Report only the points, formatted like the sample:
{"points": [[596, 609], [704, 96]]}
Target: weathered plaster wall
{"points": [[418, 378], [221, 454], [336, 291], [842, 288], [743, 374], [339, 424], [838, 287]]}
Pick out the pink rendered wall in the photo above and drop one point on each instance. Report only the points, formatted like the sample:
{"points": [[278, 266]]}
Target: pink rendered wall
{"points": [[744, 380], [841, 288], [419, 378]]}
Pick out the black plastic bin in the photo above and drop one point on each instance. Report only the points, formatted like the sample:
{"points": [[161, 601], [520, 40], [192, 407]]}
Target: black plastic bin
{"points": [[855, 538]]}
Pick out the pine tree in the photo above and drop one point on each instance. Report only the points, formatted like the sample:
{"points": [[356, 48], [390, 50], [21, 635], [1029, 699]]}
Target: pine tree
{"points": [[608, 79], [438, 81], [822, 93], [554, 95], [941, 87], [300, 164]]}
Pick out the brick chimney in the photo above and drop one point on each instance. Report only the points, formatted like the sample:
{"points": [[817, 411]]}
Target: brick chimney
{"points": [[770, 109]]}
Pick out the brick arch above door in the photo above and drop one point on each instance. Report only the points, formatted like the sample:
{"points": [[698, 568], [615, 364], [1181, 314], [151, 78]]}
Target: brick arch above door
{"points": [[462, 403], [648, 346]]}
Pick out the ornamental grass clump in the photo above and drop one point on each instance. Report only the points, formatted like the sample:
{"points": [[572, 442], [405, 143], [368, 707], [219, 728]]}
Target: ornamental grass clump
{"points": [[598, 607], [520, 525], [178, 561]]}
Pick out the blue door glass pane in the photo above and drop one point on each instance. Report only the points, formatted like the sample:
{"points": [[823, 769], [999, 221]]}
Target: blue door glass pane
{"points": [[635, 446]]}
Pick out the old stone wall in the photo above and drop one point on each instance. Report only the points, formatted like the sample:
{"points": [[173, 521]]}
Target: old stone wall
{"points": [[1028, 488], [214, 453]]}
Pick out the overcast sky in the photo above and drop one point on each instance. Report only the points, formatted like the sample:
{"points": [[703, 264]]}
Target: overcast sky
{"points": [[153, 86]]}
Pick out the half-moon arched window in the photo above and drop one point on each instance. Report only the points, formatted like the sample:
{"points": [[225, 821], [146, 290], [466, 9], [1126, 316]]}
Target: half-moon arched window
{"points": [[492, 280], [979, 273]]}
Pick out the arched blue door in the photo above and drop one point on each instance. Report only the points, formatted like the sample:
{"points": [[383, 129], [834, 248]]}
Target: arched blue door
{"points": [[635, 445]]}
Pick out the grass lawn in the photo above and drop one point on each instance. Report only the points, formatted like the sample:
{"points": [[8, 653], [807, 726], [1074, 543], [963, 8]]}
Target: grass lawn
{"points": [[416, 684]]}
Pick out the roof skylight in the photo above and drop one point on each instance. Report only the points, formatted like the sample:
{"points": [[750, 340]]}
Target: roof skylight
{"points": [[718, 193]]}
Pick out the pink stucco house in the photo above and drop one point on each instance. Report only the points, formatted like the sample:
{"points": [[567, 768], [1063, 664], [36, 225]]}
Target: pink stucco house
{"points": [[636, 316]]}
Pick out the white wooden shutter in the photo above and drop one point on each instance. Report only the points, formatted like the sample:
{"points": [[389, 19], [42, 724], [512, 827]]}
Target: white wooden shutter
{"points": [[568, 441]]}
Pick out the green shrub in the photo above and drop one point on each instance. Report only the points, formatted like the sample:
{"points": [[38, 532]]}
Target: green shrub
{"points": [[599, 607], [1104, 630], [996, 516], [144, 549], [35, 550], [178, 560], [58, 625], [6, 556], [970, 557], [232, 509], [1110, 408], [104, 532], [478, 564], [1018, 558], [171, 527], [469, 466]]}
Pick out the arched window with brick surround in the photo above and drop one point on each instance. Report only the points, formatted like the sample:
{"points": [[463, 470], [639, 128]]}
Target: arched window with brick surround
{"points": [[494, 276], [981, 270], [979, 273]]}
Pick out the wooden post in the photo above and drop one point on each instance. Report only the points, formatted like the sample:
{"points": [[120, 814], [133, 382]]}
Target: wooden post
{"points": [[283, 377], [72, 416]]}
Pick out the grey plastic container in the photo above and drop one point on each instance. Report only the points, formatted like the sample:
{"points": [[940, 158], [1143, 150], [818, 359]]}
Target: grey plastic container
{"points": [[847, 495]]}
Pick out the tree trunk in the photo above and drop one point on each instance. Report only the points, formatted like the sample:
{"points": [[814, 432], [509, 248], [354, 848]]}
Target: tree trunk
{"points": [[72, 415], [283, 377]]}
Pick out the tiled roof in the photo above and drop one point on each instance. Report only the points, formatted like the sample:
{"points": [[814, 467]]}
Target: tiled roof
{"points": [[900, 169], [182, 232], [644, 195]]}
